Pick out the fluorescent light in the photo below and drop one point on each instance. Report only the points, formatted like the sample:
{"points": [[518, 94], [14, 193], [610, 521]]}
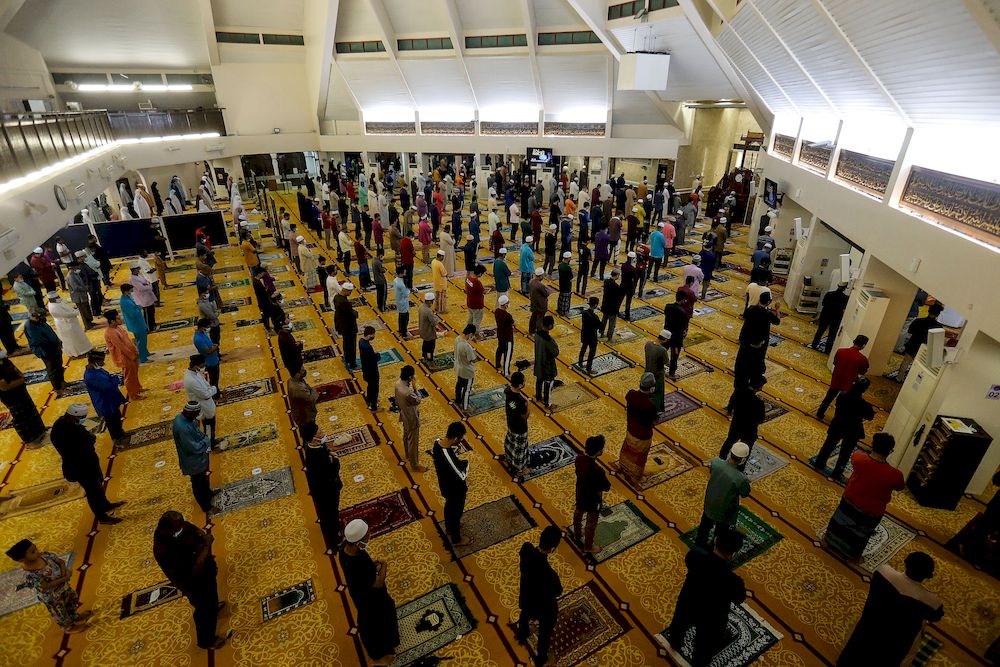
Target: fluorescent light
{"points": [[592, 114], [132, 88], [92, 87], [173, 88], [389, 114]]}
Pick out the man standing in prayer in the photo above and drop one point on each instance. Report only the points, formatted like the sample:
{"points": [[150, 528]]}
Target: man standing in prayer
{"points": [[894, 615], [124, 353], [641, 415], [345, 322], [748, 415], [289, 349], [105, 395], [143, 295], [538, 295], [515, 443], [301, 399], [199, 390], [184, 553], [67, 326], [45, 345], [474, 294], [440, 276], [590, 329], [630, 277], [427, 323], [465, 369], [656, 364], [591, 484], [726, 485], [829, 317], [135, 322], [918, 331], [505, 335], [203, 343], [709, 589], [323, 478], [546, 353], [378, 626], [307, 259], [613, 295], [846, 428], [755, 337], [401, 297], [408, 402], [406, 257], [848, 365], [565, 284], [526, 264], [452, 474], [193, 446], [539, 593], [79, 293], [369, 367], [80, 462], [501, 273]]}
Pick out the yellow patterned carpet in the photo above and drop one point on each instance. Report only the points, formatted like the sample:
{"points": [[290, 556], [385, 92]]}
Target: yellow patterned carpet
{"points": [[809, 596]]}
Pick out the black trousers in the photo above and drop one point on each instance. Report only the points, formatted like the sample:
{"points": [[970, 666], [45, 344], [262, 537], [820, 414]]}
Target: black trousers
{"points": [[85, 313], [705, 529], [463, 389], [96, 302], [590, 349], [404, 323], [349, 342], [675, 354], [7, 335], [831, 394], [204, 597], [505, 352], [53, 361], [427, 350], [208, 426], [93, 487], [546, 622], [113, 423], [150, 314], [550, 263], [215, 334], [847, 445], [603, 264], [347, 263], [408, 276], [202, 490], [371, 391], [654, 268], [628, 304], [381, 291], [213, 375], [823, 328], [581, 279], [454, 506], [543, 390], [709, 634]]}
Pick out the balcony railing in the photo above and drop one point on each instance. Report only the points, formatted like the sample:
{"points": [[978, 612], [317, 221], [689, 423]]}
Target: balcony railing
{"points": [[33, 141]]}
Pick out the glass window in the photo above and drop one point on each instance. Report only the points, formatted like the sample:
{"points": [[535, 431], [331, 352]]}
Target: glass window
{"points": [[284, 40], [520, 40], [404, 44], [446, 43], [420, 45], [490, 42], [564, 38], [473, 42]]}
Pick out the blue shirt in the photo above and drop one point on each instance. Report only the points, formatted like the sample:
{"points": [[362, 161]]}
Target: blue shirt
{"points": [[103, 389], [203, 343], [41, 338], [192, 445], [132, 314], [657, 244], [501, 275], [401, 293], [759, 256], [527, 259]]}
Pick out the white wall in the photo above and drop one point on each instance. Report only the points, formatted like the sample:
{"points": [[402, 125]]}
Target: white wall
{"points": [[258, 97], [810, 254], [23, 75]]}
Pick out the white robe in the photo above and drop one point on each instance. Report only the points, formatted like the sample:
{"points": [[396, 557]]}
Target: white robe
{"points": [[332, 287], [202, 208], [141, 206], [307, 258], [67, 326], [174, 205], [123, 213]]}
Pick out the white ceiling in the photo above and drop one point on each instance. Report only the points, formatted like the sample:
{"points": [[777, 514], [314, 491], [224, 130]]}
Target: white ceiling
{"points": [[275, 17], [356, 22], [491, 16], [417, 17], [551, 15]]}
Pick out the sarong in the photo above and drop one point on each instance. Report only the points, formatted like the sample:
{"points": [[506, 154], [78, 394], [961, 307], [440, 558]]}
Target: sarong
{"points": [[632, 459], [850, 529], [515, 448]]}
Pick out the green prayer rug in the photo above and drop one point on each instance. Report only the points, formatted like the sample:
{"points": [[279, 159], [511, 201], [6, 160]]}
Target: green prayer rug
{"points": [[431, 622], [619, 527], [758, 537]]}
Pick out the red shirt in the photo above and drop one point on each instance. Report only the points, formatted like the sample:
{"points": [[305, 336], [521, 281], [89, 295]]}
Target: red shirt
{"points": [[326, 219], [360, 254], [848, 364], [406, 251], [43, 268], [505, 326], [871, 484], [689, 301], [473, 293]]}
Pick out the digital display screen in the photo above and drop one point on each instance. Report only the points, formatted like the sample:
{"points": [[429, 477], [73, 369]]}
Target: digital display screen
{"points": [[770, 193], [540, 156]]}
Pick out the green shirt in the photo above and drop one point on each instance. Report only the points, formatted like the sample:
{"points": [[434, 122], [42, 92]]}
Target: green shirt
{"points": [[726, 486]]}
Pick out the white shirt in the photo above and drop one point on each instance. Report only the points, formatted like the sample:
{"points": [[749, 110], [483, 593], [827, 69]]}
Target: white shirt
{"points": [[332, 287], [147, 270], [754, 291], [65, 256], [198, 389], [493, 220]]}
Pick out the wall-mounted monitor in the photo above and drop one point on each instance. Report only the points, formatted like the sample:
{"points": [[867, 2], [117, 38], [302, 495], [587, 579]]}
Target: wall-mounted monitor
{"points": [[770, 193], [540, 157]]}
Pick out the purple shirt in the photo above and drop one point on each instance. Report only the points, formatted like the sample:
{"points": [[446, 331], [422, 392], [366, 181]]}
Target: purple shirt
{"points": [[142, 291], [601, 249]]}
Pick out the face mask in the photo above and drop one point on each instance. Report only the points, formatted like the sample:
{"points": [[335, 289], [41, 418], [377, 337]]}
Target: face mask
{"points": [[178, 533]]}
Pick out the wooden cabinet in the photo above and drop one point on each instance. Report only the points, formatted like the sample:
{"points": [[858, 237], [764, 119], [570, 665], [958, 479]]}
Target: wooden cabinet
{"points": [[951, 453]]}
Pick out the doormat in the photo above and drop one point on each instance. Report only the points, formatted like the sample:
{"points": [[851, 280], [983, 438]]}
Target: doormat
{"points": [[77, 387], [39, 497], [334, 390], [351, 440], [587, 622], [569, 396], [245, 391], [230, 284], [250, 322], [772, 410], [676, 404], [748, 636], [485, 401], [440, 362], [173, 325], [622, 527], [392, 400], [146, 598], [663, 464], [389, 512], [254, 490], [762, 462], [252, 436], [318, 354], [548, 455], [286, 600], [489, 524], [430, 622], [389, 357], [625, 333], [15, 595], [641, 313], [758, 537], [689, 367], [655, 293], [147, 435], [608, 362]]}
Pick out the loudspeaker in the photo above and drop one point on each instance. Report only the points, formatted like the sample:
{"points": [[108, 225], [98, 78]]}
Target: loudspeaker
{"points": [[935, 348]]}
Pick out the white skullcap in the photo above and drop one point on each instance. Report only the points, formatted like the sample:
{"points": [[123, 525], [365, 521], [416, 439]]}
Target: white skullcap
{"points": [[635, 209], [442, 253], [52, 295], [77, 410], [551, 227], [539, 271], [355, 531], [664, 334], [768, 228], [740, 450], [722, 210], [133, 265], [631, 255], [38, 249], [567, 254], [660, 225], [413, 208], [347, 286], [468, 237], [503, 251], [696, 259], [768, 245], [80, 253], [529, 238], [428, 296], [503, 300], [300, 238]]}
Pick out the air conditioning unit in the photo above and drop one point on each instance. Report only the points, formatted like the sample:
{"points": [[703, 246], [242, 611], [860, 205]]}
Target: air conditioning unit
{"points": [[643, 71], [909, 412]]}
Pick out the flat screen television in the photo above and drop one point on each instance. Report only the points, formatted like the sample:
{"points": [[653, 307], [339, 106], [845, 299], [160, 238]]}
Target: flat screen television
{"points": [[540, 157], [770, 193]]}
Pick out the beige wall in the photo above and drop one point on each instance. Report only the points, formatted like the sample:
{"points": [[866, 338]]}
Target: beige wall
{"points": [[712, 138], [23, 75], [258, 97]]}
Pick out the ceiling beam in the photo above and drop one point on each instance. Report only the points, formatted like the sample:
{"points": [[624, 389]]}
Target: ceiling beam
{"points": [[592, 12], [531, 32], [986, 20], [458, 41], [389, 40], [208, 25], [320, 32], [8, 10]]}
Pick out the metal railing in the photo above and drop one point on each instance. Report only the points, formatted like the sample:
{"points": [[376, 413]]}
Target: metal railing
{"points": [[32, 141]]}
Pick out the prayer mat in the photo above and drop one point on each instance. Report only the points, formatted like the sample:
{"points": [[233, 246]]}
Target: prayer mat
{"points": [[297, 303], [431, 622], [242, 354], [763, 462], [334, 390], [676, 264], [279, 268], [832, 461], [146, 598], [360, 302], [302, 325], [351, 440], [424, 287], [489, 524], [228, 269], [186, 283], [230, 284], [485, 401], [19, 317], [377, 325], [641, 313], [248, 322], [288, 599], [179, 267], [695, 338], [271, 256], [576, 312], [284, 284], [389, 512], [174, 325], [15, 595], [77, 387], [704, 310], [252, 436], [663, 464], [548, 455], [929, 645], [689, 367], [772, 410], [619, 527], [39, 497], [441, 362], [626, 334], [181, 353], [413, 333], [676, 404], [748, 636], [711, 294], [774, 340], [389, 357], [654, 293], [254, 490], [238, 302], [587, 622], [487, 333], [719, 278], [318, 354], [758, 537], [569, 396], [147, 435], [246, 390], [888, 539], [421, 270], [608, 362], [392, 400], [34, 377]]}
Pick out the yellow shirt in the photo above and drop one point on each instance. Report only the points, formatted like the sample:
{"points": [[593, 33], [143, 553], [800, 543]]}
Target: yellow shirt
{"points": [[250, 254], [440, 274]]}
